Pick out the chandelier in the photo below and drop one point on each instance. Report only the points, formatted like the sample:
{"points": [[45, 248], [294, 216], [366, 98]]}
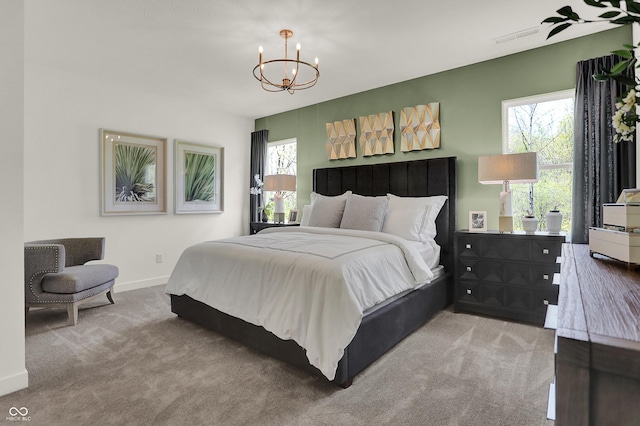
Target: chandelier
{"points": [[289, 82]]}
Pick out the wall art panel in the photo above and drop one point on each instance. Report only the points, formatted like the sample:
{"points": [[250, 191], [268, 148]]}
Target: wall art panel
{"points": [[420, 127], [376, 134], [341, 139]]}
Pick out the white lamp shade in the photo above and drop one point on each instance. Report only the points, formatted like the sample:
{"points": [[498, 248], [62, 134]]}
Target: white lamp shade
{"points": [[280, 183], [514, 168]]}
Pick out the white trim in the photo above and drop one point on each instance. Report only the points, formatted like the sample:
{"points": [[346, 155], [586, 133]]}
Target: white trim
{"points": [[135, 285], [13, 383], [545, 97]]}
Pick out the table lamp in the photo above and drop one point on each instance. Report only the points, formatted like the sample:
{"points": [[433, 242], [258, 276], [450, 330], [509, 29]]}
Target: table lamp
{"points": [[279, 184], [506, 169]]}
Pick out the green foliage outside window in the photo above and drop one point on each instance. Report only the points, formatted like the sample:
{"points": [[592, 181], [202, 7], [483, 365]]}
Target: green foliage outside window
{"points": [[545, 128]]}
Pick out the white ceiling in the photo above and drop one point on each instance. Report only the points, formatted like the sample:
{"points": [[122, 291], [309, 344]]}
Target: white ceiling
{"points": [[206, 49]]}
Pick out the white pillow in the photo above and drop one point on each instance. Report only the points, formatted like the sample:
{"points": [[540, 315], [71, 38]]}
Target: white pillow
{"points": [[306, 213], [435, 202], [327, 211], [407, 223], [364, 213]]}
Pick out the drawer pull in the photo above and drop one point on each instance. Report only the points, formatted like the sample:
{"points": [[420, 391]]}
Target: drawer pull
{"points": [[545, 251], [468, 291], [467, 246], [468, 268], [546, 302], [545, 277]]}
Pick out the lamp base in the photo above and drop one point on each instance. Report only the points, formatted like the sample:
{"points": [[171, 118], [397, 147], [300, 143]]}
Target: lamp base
{"points": [[505, 224], [278, 217]]}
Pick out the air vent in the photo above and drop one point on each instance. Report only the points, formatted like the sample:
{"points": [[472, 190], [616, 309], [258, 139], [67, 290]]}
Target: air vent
{"points": [[514, 36]]}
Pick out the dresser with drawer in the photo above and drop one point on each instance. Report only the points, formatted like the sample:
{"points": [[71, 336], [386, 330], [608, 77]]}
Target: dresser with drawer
{"points": [[506, 275]]}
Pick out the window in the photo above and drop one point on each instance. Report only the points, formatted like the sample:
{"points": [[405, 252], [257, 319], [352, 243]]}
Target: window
{"points": [[542, 124], [282, 159]]}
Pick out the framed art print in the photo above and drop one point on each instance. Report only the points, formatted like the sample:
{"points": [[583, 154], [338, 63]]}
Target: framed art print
{"points": [[198, 178], [133, 173], [477, 221]]}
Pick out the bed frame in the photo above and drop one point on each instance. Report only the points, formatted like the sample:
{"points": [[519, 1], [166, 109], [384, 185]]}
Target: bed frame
{"points": [[385, 327]]}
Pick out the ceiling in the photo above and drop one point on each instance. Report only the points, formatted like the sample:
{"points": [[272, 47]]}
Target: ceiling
{"points": [[206, 49]]}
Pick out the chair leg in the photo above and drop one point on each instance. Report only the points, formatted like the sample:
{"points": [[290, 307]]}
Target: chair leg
{"points": [[72, 312], [110, 298]]}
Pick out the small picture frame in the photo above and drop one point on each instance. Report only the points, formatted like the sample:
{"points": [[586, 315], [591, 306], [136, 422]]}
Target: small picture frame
{"points": [[293, 216], [477, 221]]}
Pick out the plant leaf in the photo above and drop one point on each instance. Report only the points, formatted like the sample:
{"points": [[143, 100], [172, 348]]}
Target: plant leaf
{"points": [[633, 7], [554, 20], [624, 53], [609, 15], [594, 3], [618, 68], [557, 29], [566, 11], [615, 3], [625, 20]]}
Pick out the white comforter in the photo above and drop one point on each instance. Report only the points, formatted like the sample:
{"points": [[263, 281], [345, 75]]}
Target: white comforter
{"points": [[307, 284]]}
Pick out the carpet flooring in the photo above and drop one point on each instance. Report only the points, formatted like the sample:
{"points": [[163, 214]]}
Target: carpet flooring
{"points": [[136, 363]]}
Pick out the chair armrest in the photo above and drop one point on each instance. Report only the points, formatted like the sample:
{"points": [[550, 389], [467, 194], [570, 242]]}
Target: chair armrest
{"points": [[40, 259]]}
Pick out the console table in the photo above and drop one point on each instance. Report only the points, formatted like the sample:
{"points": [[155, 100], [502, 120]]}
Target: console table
{"points": [[598, 341]]}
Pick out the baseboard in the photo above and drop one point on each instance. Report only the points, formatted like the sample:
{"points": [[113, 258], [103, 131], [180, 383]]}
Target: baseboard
{"points": [[135, 285], [14, 383]]}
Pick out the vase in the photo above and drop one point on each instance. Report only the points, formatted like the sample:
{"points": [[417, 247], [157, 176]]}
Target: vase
{"points": [[530, 225], [554, 221]]}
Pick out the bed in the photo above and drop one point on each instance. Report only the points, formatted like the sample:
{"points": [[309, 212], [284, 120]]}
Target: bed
{"points": [[385, 326]]}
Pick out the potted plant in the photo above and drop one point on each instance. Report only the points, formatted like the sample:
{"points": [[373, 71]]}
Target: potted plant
{"points": [[554, 221], [529, 223]]}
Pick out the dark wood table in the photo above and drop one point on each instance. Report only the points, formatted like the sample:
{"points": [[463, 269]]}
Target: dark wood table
{"points": [[598, 346]]}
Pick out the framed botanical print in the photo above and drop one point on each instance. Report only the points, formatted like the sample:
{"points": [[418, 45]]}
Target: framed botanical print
{"points": [[198, 178], [477, 221], [133, 173]]}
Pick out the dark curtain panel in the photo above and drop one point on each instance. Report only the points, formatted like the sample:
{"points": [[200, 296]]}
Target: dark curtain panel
{"points": [[602, 168], [259, 141]]}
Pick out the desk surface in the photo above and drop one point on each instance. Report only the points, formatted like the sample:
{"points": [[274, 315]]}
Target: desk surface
{"points": [[599, 300]]}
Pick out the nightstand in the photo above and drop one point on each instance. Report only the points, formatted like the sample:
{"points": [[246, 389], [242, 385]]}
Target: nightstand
{"points": [[255, 227], [506, 275]]}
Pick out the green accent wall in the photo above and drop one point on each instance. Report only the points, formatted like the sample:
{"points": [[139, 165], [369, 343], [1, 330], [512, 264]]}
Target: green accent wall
{"points": [[470, 113]]}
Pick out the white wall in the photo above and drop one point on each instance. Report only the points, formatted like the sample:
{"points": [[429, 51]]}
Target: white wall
{"points": [[63, 115], [13, 375]]}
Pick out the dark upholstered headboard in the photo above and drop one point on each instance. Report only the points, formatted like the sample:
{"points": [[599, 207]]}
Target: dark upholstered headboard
{"points": [[419, 178]]}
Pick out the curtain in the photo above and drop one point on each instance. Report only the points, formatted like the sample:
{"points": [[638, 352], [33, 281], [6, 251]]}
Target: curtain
{"points": [[602, 168], [259, 141]]}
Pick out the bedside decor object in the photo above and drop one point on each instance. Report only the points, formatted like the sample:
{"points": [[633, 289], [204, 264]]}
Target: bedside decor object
{"points": [[292, 82], [133, 173], [198, 178], [279, 184], [341, 139], [420, 127], [554, 221], [477, 221], [530, 223], [505, 169], [376, 134]]}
